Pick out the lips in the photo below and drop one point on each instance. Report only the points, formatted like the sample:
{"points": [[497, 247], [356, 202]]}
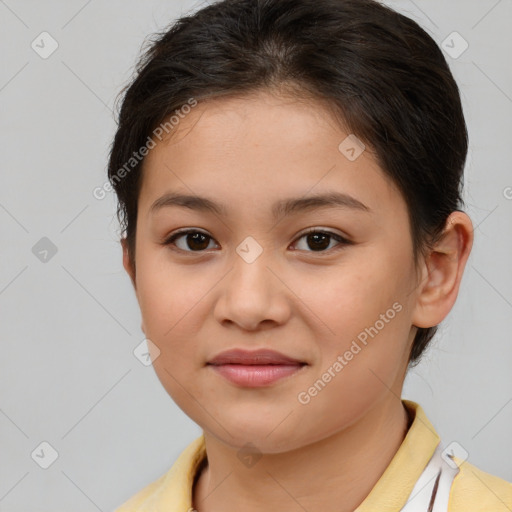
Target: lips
{"points": [[253, 369], [256, 357]]}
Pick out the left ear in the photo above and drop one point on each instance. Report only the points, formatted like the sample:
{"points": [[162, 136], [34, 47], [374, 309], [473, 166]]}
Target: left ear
{"points": [[442, 272]]}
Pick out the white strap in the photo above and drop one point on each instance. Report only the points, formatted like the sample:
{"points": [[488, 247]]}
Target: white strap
{"points": [[432, 490], [449, 471]]}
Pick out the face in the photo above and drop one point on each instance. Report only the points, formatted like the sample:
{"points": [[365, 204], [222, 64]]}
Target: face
{"points": [[249, 275]]}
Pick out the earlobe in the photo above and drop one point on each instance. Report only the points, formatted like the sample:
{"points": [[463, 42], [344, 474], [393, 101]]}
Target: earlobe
{"points": [[443, 271]]}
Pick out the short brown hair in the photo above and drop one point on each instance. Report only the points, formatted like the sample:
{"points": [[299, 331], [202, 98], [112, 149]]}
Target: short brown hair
{"points": [[381, 73]]}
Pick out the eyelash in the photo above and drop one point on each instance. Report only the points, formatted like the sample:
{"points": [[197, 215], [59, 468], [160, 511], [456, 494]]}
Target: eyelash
{"points": [[342, 242]]}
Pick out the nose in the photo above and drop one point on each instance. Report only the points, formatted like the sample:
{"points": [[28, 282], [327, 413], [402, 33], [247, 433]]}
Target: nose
{"points": [[253, 295]]}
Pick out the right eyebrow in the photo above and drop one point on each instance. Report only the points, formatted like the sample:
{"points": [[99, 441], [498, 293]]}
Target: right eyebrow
{"points": [[188, 201]]}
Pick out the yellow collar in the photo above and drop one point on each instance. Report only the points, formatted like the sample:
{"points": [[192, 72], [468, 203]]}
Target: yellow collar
{"points": [[392, 490], [173, 491]]}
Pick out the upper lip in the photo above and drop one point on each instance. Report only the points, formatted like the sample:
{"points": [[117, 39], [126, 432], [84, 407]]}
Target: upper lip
{"points": [[254, 357]]}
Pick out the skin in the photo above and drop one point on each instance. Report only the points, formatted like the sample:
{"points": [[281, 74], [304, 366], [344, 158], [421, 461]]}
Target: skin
{"points": [[247, 153]]}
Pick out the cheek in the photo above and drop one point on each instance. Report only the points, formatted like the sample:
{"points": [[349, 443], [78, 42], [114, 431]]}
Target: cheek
{"points": [[173, 307], [365, 308], [167, 295], [172, 312], [353, 297]]}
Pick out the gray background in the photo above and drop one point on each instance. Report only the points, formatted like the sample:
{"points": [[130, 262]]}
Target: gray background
{"points": [[69, 325]]}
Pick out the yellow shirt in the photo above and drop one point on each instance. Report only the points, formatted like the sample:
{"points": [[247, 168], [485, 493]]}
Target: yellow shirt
{"points": [[473, 490]]}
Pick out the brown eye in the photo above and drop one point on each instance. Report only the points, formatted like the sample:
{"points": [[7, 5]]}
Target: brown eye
{"points": [[193, 241], [196, 241], [320, 241]]}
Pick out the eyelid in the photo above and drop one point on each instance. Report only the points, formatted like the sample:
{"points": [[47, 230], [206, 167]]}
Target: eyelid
{"points": [[320, 229], [186, 231]]}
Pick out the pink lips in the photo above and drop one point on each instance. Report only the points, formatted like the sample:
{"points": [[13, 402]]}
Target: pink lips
{"points": [[254, 368]]}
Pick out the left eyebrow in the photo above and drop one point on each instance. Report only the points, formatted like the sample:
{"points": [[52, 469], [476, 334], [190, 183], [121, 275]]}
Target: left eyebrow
{"points": [[287, 207], [284, 207]]}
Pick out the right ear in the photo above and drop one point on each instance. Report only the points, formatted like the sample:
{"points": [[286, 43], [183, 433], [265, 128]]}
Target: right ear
{"points": [[127, 263], [130, 269]]}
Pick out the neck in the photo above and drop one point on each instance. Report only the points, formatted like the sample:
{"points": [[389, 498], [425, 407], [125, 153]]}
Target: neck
{"points": [[334, 474]]}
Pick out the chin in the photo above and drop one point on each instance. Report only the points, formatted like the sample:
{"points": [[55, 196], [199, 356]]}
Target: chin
{"points": [[268, 435], [258, 443]]}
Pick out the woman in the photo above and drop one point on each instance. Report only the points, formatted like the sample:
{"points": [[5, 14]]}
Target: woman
{"points": [[289, 178]]}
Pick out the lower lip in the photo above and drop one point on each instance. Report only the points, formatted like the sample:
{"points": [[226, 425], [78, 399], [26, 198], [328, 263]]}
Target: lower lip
{"points": [[254, 376]]}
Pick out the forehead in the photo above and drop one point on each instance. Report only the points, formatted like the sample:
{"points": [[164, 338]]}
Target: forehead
{"points": [[260, 146]]}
